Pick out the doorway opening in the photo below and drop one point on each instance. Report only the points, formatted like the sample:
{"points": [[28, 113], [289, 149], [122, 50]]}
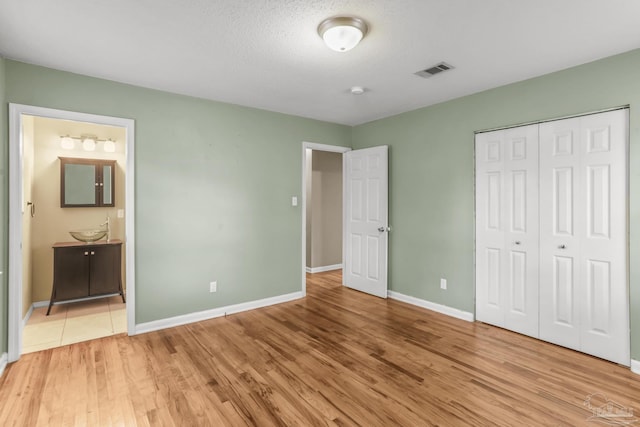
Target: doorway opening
{"points": [[322, 197], [39, 220]]}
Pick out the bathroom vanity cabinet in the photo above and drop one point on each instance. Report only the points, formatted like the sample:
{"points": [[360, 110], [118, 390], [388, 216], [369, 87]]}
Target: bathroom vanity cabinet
{"points": [[82, 270]]}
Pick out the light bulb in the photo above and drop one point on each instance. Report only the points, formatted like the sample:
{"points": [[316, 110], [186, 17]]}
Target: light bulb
{"points": [[66, 142], [89, 144], [109, 146]]}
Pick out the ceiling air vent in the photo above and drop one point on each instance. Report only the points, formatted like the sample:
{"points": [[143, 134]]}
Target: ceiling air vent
{"points": [[436, 69]]}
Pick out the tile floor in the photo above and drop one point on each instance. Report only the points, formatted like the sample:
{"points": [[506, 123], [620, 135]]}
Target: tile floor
{"points": [[76, 322]]}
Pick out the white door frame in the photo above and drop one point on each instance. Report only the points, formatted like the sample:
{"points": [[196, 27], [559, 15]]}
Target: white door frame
{"points": [[15, 211], [317, 147]]}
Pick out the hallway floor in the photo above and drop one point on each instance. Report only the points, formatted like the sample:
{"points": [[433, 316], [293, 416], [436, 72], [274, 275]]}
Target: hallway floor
{"points": [[74, 322]]}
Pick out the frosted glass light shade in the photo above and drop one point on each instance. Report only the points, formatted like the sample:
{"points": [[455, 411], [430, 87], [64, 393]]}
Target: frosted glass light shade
{"points": [[66, 142], [89, 144], [109, 146], [342, 33]]}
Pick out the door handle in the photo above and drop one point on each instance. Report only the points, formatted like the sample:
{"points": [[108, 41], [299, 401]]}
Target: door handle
{"points": [[517, 242], [383, 229], [562, 247]]}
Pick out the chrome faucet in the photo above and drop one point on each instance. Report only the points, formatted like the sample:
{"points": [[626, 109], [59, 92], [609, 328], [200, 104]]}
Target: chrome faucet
{"points": [[108, 224]]}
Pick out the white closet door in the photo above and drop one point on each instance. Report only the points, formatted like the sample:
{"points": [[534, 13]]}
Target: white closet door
{"points": [[561, 214], [507, 228], [583, 276], [490, 239]]}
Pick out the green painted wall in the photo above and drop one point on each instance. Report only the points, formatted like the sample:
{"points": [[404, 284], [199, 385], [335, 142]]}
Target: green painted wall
{"points": [[213, 189], [432, 178], [4, 226], [213, 182]]}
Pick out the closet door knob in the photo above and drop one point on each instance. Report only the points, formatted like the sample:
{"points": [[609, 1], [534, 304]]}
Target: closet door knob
{"points": [[517, 242], [86, 253], [562, 247]]}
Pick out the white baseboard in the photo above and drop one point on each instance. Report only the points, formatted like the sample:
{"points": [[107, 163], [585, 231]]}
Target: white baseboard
{"points": [[216, 312], [635, 366], [4, 359], [36, 304], [439, 308], [27, 316], [313, 270]]}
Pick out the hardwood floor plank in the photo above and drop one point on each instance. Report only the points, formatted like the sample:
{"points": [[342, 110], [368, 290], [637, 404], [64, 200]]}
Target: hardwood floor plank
{"points": [[335, 358]]}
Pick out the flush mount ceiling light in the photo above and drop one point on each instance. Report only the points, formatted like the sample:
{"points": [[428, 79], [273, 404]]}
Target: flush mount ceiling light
{"points": [[342, 33]]}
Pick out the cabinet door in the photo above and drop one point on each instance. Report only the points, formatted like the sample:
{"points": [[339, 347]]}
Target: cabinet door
{"points": [[71, 273], [104, 274]]}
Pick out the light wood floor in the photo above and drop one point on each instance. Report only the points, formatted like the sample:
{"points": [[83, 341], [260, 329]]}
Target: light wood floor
{"points": [[336, 358]]}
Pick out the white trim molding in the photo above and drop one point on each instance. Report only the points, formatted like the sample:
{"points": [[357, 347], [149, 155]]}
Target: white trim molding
{"points": [[635, 366], [439, 308], [198, 316], [4, 359], [314, 270]]}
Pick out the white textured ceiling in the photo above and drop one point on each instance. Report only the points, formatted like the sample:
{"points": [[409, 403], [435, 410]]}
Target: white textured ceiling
{"points": [[267, 54]]}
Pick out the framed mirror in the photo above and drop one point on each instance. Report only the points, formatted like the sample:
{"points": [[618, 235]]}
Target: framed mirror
{"points": [[86, 182]]}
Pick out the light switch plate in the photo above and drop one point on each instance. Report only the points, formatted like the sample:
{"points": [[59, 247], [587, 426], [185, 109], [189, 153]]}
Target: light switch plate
{"points": [[120, 213], [294, 201]]}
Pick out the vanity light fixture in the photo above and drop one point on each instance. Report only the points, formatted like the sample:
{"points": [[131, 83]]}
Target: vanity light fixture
{"points": [[88, 143], [342, 33]]}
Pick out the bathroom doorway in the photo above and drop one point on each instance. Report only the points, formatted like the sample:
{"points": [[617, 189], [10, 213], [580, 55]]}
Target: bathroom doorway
{"points": [[38, 221]]}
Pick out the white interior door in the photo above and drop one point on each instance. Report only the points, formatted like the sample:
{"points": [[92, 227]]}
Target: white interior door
{"points": [[583, 241], [507, 228], [366, 220]]}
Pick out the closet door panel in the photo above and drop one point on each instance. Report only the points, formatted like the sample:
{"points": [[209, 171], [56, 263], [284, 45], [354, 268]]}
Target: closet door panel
{"points": [[521, 231], [490, 297], [507, 229], [583, 247], [604, 301], [559, 245]]}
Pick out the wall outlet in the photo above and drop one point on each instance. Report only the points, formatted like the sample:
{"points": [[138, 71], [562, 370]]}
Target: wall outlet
{"points": [[443, 283], [213, 287]]}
